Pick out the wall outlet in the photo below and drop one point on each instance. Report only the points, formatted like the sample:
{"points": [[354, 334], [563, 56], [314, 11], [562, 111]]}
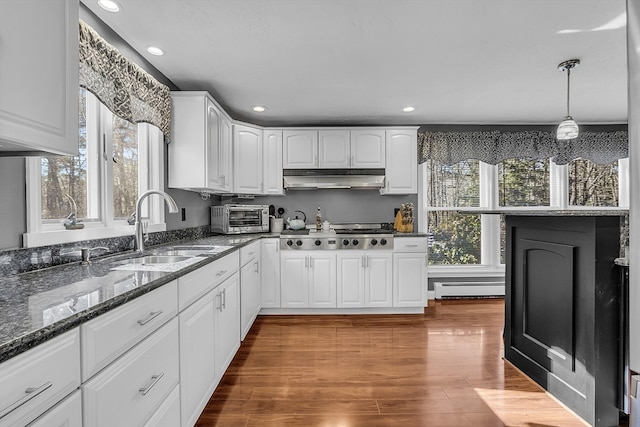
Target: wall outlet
{"points": [[184, 214]]}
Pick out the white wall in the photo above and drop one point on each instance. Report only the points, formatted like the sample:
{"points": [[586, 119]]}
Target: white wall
{"points": [[633, 49]]}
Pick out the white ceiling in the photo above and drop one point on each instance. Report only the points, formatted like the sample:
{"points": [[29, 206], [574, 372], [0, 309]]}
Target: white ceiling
{"points": [[354, 62]]}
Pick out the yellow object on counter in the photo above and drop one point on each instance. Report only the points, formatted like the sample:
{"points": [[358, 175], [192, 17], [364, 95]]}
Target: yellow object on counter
{"points": [[400, 227]]}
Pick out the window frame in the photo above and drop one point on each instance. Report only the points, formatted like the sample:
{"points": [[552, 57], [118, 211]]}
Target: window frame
{"points": [[100, 180], [490, 223]]}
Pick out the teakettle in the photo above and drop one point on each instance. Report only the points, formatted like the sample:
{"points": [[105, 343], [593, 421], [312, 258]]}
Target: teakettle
{"points": [[296, 223]]}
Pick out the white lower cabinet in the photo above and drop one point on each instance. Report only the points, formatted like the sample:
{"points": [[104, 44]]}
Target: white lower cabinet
{"points": [[410, 272], [364, 279], [197, 355], [131, 389], [270, 273], [227, 324], [308, 279], [250, 298], [36, 380], [67, 413]]}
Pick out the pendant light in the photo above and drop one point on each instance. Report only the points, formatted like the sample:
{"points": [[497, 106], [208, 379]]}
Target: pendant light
{"points": [[568, 128]]}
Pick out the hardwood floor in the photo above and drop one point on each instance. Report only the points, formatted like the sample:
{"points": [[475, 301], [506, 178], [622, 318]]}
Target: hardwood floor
{"points": [[443, 368]]}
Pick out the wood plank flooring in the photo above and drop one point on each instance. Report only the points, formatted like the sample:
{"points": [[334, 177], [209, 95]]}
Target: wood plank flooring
{"points": [[443, 368]]}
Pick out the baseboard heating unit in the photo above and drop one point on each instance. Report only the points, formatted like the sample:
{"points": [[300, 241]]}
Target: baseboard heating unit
{"points": [[468, 289]]}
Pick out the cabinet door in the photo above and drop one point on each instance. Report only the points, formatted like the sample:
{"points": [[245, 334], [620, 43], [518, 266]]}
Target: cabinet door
{"points": [[300, 149], [197, 355], [401, 174], [212, 147], [270, 273], [227, 322], [379, 279], [322, 280], [225, 170], [247, 160], [249, 295], [350, 280], [168, 414], [334, 149], [367, 148], [39, 69], [67, 413], [294, 279], [272, 162], [409, 279]]}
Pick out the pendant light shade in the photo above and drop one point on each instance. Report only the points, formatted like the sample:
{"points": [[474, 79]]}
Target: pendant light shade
{"points": [[568, 128]]}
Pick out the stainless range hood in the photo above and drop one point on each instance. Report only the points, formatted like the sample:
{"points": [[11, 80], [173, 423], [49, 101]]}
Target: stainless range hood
{"points": [[315, 179]]}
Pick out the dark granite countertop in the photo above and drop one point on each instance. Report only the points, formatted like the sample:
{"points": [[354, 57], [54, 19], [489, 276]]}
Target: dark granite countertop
{"points": [[39, 305]]}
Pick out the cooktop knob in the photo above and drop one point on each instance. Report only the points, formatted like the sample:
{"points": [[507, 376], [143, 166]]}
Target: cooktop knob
{"points": [[317, 242], [345, 242], [374, 242], [289, 242], [299, 242], [355, 242], [383, 242]]}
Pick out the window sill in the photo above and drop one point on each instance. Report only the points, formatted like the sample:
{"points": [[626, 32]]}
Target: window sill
{"points": [[453, 271], [55, 237]]}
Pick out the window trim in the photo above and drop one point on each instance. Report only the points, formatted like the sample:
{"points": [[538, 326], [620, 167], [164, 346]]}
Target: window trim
{"points": [[150, 176]]}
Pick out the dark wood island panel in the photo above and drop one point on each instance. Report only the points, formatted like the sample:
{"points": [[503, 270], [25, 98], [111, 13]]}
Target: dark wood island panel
{"points": [[562, 309]]}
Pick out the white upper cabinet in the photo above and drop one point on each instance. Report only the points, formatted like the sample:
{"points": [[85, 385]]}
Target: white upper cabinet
{"points": [[367, 148], [401, 174], [334, 149], [272, 162], [200, 148], [300, 149], [39, 81], [247, 159]]}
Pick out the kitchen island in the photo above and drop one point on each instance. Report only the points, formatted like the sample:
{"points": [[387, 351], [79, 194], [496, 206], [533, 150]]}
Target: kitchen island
{"points": [[561, 306]]}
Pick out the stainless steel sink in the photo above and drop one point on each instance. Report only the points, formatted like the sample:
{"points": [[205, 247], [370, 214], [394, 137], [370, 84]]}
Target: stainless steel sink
{"points": [[158, 259], [183, 252]]}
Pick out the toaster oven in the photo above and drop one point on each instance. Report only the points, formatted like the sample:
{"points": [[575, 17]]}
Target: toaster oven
{"points": [[238, 219]]}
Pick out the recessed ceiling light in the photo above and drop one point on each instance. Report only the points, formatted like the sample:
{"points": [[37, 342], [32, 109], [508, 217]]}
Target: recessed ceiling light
{"points": [[109, 5], [155, 51], [259, 108], [408, 109]]}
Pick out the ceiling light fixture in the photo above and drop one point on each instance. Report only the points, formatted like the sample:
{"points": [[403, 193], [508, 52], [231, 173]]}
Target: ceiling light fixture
{"points": [[259, 108], [155, 51], [109, 5], [568, 128], [408, 109]]}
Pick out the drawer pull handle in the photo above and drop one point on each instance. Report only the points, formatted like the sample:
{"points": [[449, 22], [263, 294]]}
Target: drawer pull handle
{"points": [[31, 392], [154, 381], [220, 273], [152, 316], [412, 246]]}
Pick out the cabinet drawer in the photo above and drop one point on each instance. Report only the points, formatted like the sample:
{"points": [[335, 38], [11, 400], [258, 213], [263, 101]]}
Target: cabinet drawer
{"points": [[249, 252], [168, 414], [51, 371], [197, 283], [108, 336], [129, 391], [67, 413], [410, 244]]}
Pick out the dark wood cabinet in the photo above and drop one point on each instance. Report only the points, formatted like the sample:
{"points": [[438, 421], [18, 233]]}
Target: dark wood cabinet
{"points": [[562, 309]]}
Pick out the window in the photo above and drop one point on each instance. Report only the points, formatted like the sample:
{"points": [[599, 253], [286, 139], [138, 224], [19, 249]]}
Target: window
{"points": [[451, 194], [116, 161], [454, 238]]}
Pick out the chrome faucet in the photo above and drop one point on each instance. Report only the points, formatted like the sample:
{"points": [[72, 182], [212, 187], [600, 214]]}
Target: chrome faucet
{"points": [[139, 236]]}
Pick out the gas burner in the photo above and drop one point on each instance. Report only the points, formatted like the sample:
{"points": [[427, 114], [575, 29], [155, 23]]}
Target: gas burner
{"points": [[363, 231]]}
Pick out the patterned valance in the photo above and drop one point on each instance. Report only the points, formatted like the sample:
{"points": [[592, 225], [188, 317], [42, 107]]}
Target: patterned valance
{"points": [[495, 146], [125, 88]]}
